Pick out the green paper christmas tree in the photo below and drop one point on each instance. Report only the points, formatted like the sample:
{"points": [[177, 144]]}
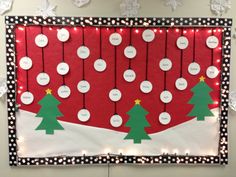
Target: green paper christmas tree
{"points": [[137, 122], [49, 112], [200, 100]]}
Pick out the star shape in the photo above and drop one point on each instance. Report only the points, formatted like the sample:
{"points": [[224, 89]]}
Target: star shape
{"points": [[202, 79], [48, 91], [137, 101]]}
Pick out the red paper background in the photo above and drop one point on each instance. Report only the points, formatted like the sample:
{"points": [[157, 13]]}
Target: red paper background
{"points": [[97, 100]]}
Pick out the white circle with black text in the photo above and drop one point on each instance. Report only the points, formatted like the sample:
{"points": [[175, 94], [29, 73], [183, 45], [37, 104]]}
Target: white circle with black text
{"points": [[63, 35], [212, 42], [130, 52], [63, 91], [43, 79], [115, 95], [181, 83], [164, 118], [83, 86], [63, 68], [27, 98], [194, 68], [182, 42], [83, 52], [115, 39], [100, 65], [41, 40], [116, 121], [83, 115], [148, 35], [129, 75], [166, 96], [212, 72], [146, 86], [26, 63], [165, 64]]}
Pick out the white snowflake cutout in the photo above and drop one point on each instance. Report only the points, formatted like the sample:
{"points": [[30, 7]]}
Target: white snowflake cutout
{"points": [[219, 7], [3, 86], [80, 3], [5, 5], [46, 9], [129, 8], [173, 4]]}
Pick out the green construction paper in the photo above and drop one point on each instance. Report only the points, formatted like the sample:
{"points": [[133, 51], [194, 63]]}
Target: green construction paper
{"points": [[200, 100], [137, 122], [49, 112]]}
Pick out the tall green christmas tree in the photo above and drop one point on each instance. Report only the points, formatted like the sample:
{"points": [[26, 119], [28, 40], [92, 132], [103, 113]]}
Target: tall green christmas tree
{"points": [[200, 100], [137, 122], [49, 112]]}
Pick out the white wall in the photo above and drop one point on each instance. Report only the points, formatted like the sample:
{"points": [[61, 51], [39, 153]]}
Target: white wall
{"points": [[191, 8]]}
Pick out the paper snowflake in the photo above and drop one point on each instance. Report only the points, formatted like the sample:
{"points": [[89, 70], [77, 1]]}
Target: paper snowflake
{"points": [[173, 4], [3, 86], [5, 5], [80, 3], [129, 8], [46, 9], [220, 6]]}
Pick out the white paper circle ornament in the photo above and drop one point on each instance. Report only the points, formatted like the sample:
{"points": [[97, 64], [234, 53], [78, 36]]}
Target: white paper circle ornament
{"points": [[83, 86], [130, 52], [181, 83], [212, 42], [165, 64], [166, 96], [83, 115], [116, 121], [182, 42], [194, 68], [63, 35], [83, 52], [100, 65], [164, 118], [27, 98], [146, 86], [148, 35], [129, 75], [115, 39], [41, 40], [63, 68], [43, 79], [26, 63], [212, 72], [63, 91], [115, 95]]}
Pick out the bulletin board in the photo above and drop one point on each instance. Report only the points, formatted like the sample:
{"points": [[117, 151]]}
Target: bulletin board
{"points": [[93, 90]]}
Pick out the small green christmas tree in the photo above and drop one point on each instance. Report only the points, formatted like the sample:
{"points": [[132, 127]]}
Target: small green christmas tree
{"points": [[200, 100], [49, 112], [137, 123]]}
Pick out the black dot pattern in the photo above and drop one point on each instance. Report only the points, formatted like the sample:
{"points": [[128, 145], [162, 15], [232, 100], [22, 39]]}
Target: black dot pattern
{"points": [[12, 21]]}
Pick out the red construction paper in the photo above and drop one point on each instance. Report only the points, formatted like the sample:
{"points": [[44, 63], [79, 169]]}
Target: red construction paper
{"points": [[97, 100]]}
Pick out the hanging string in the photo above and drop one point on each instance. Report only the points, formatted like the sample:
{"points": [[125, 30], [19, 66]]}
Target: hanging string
{"points": [[166, 42], [115, 75], [83, 64], [147, 50], [181, 56], [63, 60], [194, 44], [43, 64], [26, 54], [212, 50], [100, 50], [130, 43]]}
